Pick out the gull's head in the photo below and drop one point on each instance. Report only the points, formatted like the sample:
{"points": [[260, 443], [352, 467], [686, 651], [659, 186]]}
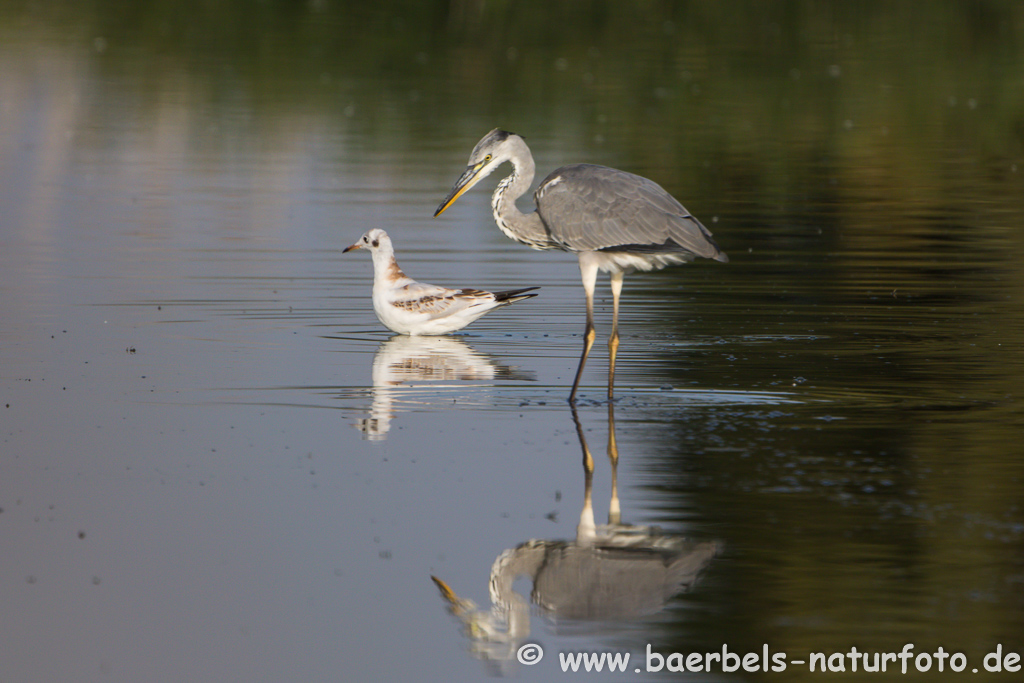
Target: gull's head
{"points": [[372, 240], [492, 151]]}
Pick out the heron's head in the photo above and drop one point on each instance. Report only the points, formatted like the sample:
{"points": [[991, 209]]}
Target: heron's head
{"points": [[492, 151], [372, 240]]}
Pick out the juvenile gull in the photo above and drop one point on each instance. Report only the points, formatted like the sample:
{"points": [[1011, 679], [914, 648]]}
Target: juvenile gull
{"points": [[409, 307]]}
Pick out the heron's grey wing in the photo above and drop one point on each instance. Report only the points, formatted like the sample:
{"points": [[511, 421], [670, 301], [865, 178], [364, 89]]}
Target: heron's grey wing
{"points": [[592, 208]]}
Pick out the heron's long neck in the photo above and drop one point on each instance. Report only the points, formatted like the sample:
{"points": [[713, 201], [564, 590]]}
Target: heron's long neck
{"points": [[521, 227]]}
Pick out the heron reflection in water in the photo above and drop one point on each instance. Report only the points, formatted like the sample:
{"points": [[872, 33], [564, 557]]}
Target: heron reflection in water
{"points": [[610, 572], [614, 221], [408, 369]]}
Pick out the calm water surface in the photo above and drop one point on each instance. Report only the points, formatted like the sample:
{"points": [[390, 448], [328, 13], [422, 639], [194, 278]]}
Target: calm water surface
{"points": [[215, 464]]}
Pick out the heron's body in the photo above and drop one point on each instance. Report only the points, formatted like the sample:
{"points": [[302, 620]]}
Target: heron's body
{"points": [[615, 221], [406, 306]]}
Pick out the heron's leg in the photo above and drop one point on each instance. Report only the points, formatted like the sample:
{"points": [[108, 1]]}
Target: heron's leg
{"points": [[613, 339], [588, 272]]}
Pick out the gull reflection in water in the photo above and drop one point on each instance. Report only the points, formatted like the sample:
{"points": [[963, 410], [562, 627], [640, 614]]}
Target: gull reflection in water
{"points": [[610, 572], [409, 369]]}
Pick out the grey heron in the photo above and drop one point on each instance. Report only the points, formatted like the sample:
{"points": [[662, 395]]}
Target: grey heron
{"points": [[614, 221]]}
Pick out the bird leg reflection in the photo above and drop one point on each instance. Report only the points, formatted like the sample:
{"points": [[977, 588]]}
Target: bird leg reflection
{"points": [[587, 528], [614, 511]]}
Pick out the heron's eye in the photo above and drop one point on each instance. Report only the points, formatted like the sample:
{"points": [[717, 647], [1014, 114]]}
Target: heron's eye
{"points": [[488, 158]]}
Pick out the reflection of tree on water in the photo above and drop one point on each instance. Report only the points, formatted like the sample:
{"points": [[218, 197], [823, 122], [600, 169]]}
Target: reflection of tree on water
{"points": [[403, 364], [610, 572]]}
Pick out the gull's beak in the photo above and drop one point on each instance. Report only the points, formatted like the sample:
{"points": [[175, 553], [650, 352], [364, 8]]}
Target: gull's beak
{"points": [[357, 245], [467, 180]]}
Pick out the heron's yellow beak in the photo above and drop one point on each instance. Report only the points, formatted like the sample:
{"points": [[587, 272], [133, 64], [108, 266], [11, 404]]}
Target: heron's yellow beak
{"points": [[467, 180]]}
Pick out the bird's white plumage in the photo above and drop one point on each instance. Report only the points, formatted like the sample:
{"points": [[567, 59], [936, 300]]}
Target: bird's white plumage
{"points": [[406, 306]]}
